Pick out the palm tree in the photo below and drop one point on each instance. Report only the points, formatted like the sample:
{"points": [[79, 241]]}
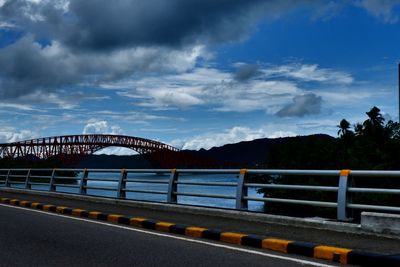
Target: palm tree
{"points": [[344, 127], [374, 126], [375, 118], [392, 130], [358, 129]]}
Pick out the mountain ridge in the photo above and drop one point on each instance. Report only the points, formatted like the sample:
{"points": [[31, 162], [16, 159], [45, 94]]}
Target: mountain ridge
{"points": [[244, 154]]}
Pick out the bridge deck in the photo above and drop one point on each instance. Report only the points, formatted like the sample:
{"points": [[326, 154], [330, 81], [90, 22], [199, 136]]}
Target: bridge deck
{"points": [[370, 243]]}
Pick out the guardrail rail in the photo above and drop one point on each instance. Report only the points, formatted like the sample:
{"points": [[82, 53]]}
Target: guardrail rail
{"points": [[122, 182]]}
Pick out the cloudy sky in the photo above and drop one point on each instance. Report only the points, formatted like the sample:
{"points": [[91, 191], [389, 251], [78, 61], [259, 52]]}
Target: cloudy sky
{"points": [[195, 73]]}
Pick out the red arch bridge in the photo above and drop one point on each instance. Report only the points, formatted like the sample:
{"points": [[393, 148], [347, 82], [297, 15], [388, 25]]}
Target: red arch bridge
{"points": [[75, 147]]}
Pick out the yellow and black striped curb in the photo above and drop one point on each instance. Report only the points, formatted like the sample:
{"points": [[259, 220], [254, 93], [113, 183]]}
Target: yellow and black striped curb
{"points": [[335, 254]]}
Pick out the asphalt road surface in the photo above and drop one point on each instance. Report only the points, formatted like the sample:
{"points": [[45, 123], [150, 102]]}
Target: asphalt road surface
{"points": [[238, 224], [33, 238]]}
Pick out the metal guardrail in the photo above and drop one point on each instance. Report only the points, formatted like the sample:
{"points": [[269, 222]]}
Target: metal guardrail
{"points": [[119, 181]]}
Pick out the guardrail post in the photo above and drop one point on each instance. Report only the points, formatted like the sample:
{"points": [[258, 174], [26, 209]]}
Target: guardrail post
{"points": [[343, 198], [122, 184], [7, 182], [83, 184], [27, 183], [52, 187], [241, 191], [173, 187]]}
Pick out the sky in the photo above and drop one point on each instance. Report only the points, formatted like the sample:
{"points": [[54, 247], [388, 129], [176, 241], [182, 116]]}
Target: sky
{"points": [[195, 73]]}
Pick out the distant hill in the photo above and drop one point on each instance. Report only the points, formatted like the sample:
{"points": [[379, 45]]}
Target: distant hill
{"points": [[242, 154], [115, 162], [251, 153]]}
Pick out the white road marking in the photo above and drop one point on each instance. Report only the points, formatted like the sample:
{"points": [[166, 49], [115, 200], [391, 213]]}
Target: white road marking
{"points": [[175, 237]]}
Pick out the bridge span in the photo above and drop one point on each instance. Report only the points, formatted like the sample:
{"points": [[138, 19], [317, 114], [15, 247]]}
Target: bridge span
{"points": [[337, 240], [85, 144], [73, 148]]}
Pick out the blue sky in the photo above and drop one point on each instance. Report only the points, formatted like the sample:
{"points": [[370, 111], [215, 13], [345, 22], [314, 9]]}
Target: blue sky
{"points": [[195, 73]]}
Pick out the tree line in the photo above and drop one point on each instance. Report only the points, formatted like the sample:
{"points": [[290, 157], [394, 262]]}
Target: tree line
{"points": [[370, 145]]}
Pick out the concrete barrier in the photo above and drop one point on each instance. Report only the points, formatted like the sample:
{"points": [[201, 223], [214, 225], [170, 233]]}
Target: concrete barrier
{"points": [[382, 223], [314, 223]]}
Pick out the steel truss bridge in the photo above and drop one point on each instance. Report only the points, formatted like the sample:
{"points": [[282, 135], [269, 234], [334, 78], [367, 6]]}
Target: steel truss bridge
{"points": [[76, 146], [73, 148]]}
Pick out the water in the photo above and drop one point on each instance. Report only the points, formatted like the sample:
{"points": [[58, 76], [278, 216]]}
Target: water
{"points": [[112, 182]]}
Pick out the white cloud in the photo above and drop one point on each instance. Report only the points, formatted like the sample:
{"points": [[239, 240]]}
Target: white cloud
{"points": [[62, 99], [233, 135], [310, 73], [6, 25], [120, 151], [40, 66], [95, 126], [125, 62], [205, 87], [255, 95], [164, 98], [270, 90], [381, 8], [11, 134], [131, 117], [68, 102], [345, 96], [115, 129], [17, 106], [308, 104]]}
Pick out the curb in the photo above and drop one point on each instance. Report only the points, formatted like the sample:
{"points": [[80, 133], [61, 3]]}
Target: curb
{"points": [[203, 210], [334, 254]]}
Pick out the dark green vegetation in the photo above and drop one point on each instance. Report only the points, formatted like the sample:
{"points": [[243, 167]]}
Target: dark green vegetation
{"points": [[54, 162], [371, 145], [115, 162]]}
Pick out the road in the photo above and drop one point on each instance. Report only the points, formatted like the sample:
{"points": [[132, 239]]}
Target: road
{"points": [[240, 225], [35, 238]]}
